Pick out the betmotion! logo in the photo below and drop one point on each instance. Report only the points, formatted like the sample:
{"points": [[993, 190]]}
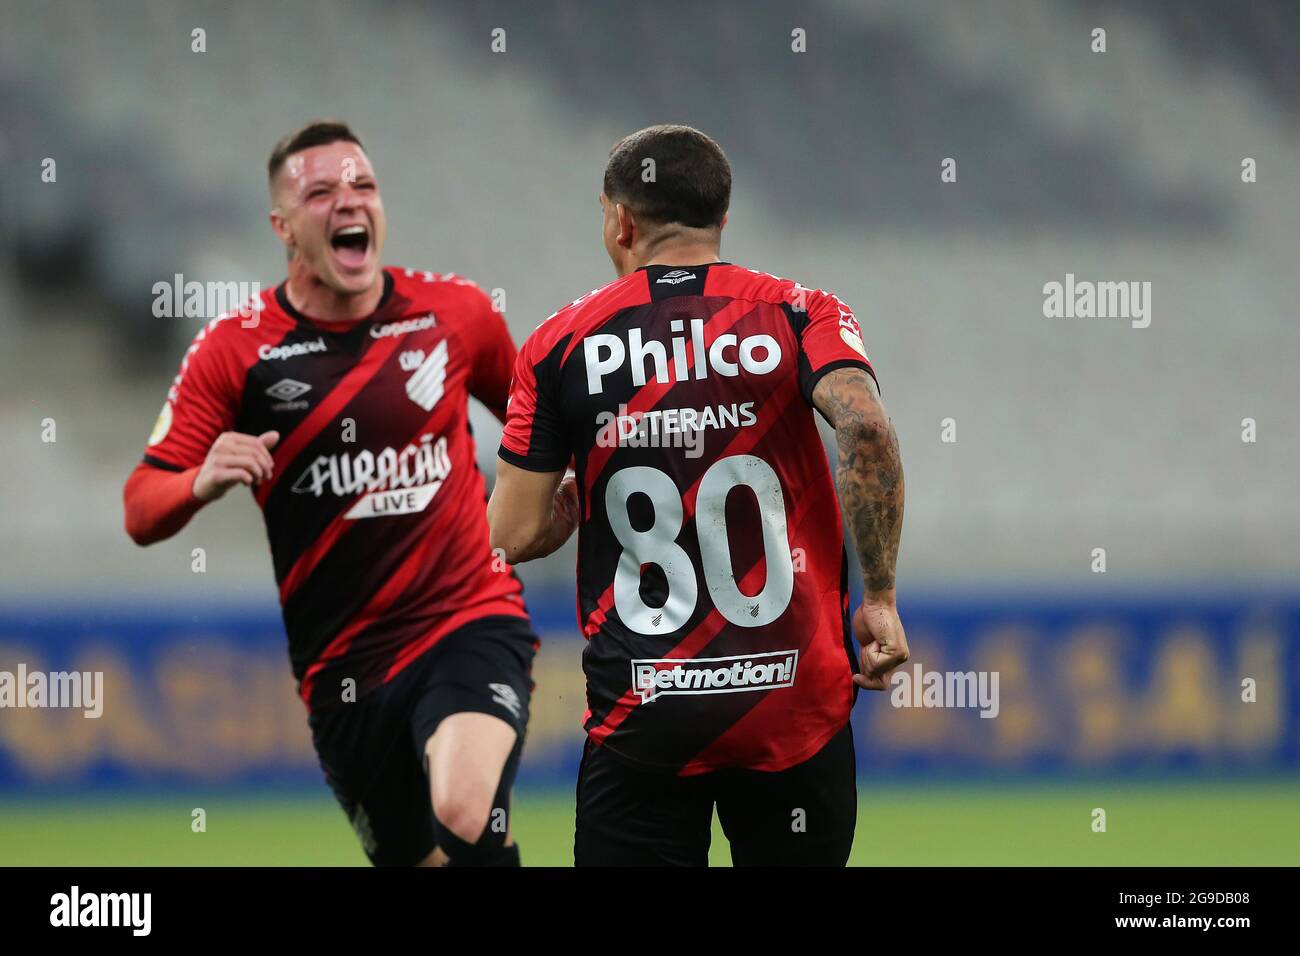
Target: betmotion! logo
{"points": [[663, 677]]}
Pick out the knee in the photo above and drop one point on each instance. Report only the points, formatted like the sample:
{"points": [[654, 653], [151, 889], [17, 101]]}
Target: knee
{"points": [[465, 810], [471, 832]]}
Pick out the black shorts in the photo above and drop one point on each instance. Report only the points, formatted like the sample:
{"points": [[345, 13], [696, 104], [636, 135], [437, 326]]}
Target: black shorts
{"points": [[802, 816], [372, 751]]}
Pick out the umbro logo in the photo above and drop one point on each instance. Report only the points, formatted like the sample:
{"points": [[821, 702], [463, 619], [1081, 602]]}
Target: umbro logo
{"points": [[287, 389], [505, 695], [675, 277]]}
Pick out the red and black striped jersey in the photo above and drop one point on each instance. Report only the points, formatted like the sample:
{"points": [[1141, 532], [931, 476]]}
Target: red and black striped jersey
{"points": [[712, 577], [376, 511]]}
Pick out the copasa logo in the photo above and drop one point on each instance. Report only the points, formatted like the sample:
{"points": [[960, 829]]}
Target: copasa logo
{"points": [[405, 325], [713, 675], [273, 353], [393, 482]]}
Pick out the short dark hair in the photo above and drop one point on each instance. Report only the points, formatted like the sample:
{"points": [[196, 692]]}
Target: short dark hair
{"points": [[691, 184], [320, 132]]}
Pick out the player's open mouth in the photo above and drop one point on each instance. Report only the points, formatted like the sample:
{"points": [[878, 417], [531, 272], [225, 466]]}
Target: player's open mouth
{"points": [[351, 245]]}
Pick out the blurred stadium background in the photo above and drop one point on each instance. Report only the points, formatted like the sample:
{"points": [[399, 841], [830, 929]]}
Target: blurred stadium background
{"points": [[1120, 690]]}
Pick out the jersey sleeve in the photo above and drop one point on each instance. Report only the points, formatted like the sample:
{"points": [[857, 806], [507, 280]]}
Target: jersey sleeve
{"points": [[203, 402], [492, 354], [830, 339], [534, 437], [158, 503]]}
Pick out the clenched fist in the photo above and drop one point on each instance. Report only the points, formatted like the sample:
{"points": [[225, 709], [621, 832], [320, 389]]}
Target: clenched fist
{"points": [[884, 645], [235, 459]]}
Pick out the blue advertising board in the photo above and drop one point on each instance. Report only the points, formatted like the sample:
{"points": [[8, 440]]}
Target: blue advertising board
{"points": [[999, 686]]}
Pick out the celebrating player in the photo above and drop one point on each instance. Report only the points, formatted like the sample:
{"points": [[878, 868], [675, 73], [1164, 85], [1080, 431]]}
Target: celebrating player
{"points": [[341, 401], [712, 577]]}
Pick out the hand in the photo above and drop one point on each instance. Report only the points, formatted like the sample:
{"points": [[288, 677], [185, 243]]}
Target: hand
{"points": [[235, 459], [568, 508], [884, 645]]}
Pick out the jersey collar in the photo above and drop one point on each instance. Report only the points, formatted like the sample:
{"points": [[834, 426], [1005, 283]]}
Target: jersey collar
{"points": [[282, 300], [669, 281]]}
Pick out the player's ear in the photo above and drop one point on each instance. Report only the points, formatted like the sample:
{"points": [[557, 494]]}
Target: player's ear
{"points": [[280, 226], [626, 226]]}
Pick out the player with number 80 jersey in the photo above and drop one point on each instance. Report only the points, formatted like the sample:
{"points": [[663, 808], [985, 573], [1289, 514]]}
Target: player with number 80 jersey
{"points": [[712, 576]]}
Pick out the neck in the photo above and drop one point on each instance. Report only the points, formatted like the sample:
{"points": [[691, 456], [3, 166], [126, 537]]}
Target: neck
{"points": [[675, 254], [312, 297]]}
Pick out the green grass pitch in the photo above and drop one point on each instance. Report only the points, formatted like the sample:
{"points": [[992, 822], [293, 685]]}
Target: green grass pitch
{"points": [[1172, 824]]}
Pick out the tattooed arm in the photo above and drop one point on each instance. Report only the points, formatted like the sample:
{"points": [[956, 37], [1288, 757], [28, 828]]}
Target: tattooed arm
{"points": [[869, 479]]}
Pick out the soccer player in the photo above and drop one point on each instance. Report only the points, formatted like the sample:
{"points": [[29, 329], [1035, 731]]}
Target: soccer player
{"points": [[340, 400], [712, 576]]}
